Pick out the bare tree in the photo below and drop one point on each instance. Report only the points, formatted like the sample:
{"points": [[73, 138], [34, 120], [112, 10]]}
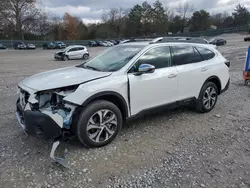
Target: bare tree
{"points": [[23, 14], [184, 10]]}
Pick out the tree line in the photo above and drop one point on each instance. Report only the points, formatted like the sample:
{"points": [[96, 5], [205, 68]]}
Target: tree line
{"points": [[23, 19]]}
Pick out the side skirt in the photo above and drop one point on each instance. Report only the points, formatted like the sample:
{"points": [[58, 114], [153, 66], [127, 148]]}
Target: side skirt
{"points": [[163, 108]]}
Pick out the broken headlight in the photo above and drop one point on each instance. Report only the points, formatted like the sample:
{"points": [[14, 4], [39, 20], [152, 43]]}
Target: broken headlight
{"points": [[51, 102]]}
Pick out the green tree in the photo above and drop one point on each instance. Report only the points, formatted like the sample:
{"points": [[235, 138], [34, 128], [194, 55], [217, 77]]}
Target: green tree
{"points": [[241, 15], [82, 30], [160, 18], [134, 26], [228, 22], [200, 21], [221, 20], [175, 24], [147, 19]]}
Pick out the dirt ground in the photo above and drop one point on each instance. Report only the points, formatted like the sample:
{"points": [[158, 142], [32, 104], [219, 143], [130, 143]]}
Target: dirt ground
{"points": [[177, 148]]}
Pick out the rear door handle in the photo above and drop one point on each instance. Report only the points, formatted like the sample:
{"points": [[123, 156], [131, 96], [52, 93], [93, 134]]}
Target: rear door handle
{"points": [[172, 75], [204, 69]]}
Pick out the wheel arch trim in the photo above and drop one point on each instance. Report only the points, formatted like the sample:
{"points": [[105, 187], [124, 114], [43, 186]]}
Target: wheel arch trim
{"points": [[108, 93], [214, 77]]}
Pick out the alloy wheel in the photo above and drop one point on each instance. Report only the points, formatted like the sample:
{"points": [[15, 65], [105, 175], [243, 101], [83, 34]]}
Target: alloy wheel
{"points": [[85, 56], [209, 97], [102, 125]]}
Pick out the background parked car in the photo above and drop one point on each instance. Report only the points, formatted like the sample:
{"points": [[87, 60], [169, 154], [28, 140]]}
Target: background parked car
{"points": [[115, 42], [59, 45], [99, 43], [72, 52], [109, 43], [49, 45], [124, 41], [218, 42], [2, 47], [30, 46], [19, 45], [247, 38], [92, 43]]}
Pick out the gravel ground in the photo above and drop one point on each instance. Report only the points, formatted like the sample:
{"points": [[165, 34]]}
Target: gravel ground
{"points": [[177, 148]]}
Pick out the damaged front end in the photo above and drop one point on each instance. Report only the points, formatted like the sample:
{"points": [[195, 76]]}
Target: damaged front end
{"points": [[46, 113]]}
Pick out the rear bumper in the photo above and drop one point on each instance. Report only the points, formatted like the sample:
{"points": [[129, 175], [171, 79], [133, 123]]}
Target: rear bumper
{"points": [[226, 87], [37, 124]]}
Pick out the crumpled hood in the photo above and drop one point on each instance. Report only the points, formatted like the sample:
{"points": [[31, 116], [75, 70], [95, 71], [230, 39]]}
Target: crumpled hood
{"points": [[59, 52], [61, 78]]}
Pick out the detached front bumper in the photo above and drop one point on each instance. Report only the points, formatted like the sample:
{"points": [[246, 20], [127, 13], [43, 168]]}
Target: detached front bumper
{"points": [[58, 57], [37, 124]]}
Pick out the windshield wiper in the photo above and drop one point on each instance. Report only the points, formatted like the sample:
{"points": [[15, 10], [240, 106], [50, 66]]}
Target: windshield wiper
{"points": [[81, 65], [92, 68], [87, 67]]}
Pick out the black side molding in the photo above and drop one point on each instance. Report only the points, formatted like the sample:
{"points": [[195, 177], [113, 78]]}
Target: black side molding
{"points": [[163, 107]]}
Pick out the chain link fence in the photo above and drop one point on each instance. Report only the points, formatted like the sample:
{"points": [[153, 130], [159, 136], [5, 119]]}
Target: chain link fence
{"points": [[208, 33]]}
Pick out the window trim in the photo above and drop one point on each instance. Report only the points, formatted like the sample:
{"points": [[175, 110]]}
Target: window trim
{"points": [[136, 60]]}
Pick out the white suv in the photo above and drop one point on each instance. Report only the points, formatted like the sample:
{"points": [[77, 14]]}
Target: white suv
{"points": [[92, 100], [72, 52]]}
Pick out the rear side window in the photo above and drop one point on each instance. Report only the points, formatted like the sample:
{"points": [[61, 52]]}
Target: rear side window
{"points": [[205, 53], [80, 48], [183, 55]]}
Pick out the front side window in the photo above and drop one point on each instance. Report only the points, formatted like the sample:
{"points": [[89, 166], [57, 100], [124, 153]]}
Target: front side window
{"points": [[205, 53], [159, 57], [113, 59], [183, 55], [72, 50]]}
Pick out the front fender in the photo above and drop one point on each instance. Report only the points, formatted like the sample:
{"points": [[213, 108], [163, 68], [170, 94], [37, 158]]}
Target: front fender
{"points": [[117, 84]]}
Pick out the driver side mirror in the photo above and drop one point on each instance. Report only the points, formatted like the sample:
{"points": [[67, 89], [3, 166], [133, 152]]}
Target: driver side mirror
{"points": [[145, 68]]}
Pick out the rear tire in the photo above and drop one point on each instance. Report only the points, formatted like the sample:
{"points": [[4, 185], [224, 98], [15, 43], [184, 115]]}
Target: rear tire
{"points": [[207, 98], [92, 130]]}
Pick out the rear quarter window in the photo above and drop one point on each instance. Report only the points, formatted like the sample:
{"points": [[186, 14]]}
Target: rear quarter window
{"points": [[80, 48], [183, 55], [205, 53]]}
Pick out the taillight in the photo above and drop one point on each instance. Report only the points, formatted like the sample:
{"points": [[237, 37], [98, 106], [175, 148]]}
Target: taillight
{"points": [[227, 63]]}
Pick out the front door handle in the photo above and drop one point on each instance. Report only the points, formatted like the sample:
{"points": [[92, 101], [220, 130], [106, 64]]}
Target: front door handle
{"points": [[172, 75], [204, 69]]}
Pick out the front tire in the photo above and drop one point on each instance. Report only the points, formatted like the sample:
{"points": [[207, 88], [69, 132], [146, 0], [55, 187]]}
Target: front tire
{"points": [[99, 123], [65, 58], [207, 98], [85, 56]]}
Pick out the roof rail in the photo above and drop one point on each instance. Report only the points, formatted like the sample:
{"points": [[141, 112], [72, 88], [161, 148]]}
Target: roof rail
{"points": [[179, 39]]}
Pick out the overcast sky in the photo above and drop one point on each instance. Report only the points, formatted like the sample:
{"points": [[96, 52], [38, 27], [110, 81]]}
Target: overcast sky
{"points": [[92, 10]]}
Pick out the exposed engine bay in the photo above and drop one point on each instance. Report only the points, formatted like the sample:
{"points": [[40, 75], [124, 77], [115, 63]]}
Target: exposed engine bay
{"points": [[46, 113], [52, 104]]}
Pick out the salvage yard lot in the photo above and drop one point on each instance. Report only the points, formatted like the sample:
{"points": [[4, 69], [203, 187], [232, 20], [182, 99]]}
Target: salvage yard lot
{"points": [[177, 148]]}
